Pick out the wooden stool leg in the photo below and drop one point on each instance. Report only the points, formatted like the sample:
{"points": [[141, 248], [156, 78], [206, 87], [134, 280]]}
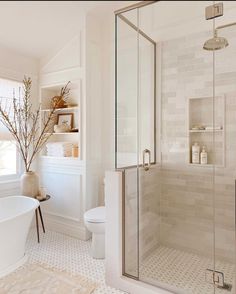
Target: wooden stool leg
{"points": [[37, 223], [41, 218]]}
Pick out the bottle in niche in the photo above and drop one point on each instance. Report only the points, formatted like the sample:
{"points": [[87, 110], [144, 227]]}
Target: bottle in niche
{"points": [[203, 155], [195, 153]]}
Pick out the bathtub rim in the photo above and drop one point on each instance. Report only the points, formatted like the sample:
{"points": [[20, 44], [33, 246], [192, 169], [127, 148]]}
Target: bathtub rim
{"points": [[23, 212]]}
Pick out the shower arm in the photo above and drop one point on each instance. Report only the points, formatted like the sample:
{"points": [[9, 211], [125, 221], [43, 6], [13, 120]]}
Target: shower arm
{"points": [[226, 26]]}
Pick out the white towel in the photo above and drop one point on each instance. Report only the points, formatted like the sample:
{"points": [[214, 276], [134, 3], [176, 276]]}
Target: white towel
{"points": [[60, 149]]}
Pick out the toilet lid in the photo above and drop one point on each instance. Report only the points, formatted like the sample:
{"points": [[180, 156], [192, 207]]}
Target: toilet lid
{"points": [[96, 215]]}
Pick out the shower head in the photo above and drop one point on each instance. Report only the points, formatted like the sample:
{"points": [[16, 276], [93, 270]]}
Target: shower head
{"points": [[215, 43]]}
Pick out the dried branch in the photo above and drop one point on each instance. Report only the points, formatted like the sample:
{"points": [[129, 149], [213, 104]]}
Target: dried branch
{"points": [[65, 92], [23, 123]]}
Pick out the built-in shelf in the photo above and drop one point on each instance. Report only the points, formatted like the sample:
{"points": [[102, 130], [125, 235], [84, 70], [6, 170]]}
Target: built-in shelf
{"points": [[61, 109], [60, 157], [73, 101], [201, 165], [205, 131], [57, 86], [67, 133], [205, 165], [202, 113], [61, 161]]}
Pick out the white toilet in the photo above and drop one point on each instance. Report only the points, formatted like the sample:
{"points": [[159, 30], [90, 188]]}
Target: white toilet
{"points": [[94, 220]]}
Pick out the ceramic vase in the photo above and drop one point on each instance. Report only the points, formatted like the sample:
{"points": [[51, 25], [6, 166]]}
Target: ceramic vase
{"points": [[29, 184]]}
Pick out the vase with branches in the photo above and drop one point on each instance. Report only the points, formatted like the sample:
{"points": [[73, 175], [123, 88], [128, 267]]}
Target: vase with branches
{"points": [[30, 129]]}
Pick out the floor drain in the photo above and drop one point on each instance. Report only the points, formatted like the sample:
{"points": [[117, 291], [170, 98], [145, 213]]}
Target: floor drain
{"points": [[217, 278], [226, 286]]}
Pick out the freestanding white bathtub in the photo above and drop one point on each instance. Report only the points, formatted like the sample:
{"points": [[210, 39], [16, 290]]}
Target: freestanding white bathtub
{"points": [[16, 213]]}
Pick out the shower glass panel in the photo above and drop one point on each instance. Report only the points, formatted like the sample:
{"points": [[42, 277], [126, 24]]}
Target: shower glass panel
{"points": [[126, 132], [225, 143], [146, 98], [135, 122], [176, 204], [135, 101], [178, 211], [127, 90]]}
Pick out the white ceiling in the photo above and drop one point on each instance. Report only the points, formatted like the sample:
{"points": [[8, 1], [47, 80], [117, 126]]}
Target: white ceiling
{"points": [[35, 28], [167, 20]]}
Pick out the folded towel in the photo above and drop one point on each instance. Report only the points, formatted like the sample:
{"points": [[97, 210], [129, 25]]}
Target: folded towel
{"points": [[59, 154], [60, 149]]}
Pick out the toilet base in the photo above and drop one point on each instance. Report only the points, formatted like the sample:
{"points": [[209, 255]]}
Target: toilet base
{"points": [[98, 246]]}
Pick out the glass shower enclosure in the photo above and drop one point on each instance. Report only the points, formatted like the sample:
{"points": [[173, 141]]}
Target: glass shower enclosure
{"points": [[175, 143]]}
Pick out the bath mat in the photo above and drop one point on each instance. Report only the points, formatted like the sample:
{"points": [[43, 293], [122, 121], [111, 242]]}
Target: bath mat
{"points": [[41, 279]]}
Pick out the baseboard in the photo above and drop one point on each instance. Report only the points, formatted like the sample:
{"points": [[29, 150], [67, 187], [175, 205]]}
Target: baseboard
{"points": [[66, 226], [14, 266]]}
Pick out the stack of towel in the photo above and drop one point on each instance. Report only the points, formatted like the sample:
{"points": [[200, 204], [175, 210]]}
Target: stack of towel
{"points": [[60, 149]]}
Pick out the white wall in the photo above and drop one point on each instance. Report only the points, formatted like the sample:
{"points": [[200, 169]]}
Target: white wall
{"points": [[100, 87], [94, 114], [15, 66], [108, 91], [78, 59], [64, 179]]}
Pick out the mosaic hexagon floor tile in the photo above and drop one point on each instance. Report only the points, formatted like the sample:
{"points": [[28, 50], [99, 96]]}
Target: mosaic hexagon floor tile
{"points": [[181, 270], [69, 254], [184, 271]]}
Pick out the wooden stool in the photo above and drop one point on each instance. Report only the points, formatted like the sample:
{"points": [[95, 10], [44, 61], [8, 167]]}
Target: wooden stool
{"points": [[41, 216]]}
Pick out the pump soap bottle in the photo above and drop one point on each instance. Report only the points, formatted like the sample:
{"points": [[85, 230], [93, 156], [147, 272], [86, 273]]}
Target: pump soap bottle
{"points": [[195, 153], [203, 155]]}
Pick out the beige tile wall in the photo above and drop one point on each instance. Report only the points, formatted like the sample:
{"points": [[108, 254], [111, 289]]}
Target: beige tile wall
{"points": [[149, 212], [187, 193], [141, 229], [180, 205]]}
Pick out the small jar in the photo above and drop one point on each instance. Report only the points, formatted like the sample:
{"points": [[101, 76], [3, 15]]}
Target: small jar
{"points": [[75, 151]]}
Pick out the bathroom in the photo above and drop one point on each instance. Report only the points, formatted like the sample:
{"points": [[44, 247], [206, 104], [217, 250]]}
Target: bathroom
{"points": [[154, 104]]}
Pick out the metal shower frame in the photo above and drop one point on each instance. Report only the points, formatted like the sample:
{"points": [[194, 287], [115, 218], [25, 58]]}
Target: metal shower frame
{"points": [[118, 13]]}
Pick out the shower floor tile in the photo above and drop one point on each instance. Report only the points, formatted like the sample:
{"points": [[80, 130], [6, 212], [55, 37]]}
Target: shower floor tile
{"points": [[183, 271], [165, 265], [70, 254]]}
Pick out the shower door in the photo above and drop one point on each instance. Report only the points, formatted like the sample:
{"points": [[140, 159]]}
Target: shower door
{"points": [[178, 216], [176, 199], [225, 143], [135, 127]]}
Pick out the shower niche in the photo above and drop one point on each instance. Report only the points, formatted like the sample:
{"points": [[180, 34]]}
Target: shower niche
{"points": [[205, 128]]}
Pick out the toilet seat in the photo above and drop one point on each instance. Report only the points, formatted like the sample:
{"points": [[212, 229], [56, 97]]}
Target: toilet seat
{"points": [[96, 215]]}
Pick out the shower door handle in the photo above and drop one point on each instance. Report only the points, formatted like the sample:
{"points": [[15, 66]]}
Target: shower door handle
{"points": [[147, 165]]}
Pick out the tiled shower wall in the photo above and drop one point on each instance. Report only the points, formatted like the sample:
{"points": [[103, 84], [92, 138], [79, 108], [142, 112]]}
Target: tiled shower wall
{"points": [[187, 192], [149, 212], [148, 235], [182, 205]]}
